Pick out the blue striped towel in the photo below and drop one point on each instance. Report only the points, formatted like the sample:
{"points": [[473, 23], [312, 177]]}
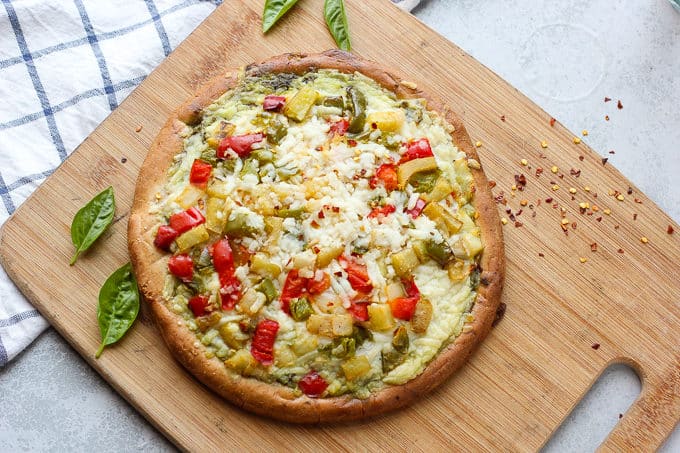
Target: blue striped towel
{"points": [[64, 66]]}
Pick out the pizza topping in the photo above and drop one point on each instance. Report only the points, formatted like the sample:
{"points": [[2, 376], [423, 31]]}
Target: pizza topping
{"points": [[273, 103], [313, 385], [352, 195], [182, 267], [165, 236], [387, 175], [242, 145], [198, 305], [339, 127], [200, 173], [417, 150], [264, 337], [186, 220]]}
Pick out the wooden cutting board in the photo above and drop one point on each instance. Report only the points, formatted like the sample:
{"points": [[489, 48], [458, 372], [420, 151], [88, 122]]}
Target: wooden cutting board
{"points": [[536, 364]]}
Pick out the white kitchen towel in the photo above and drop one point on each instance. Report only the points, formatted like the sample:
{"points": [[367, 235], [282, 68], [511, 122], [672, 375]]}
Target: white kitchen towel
{"points": [[64, 66]]}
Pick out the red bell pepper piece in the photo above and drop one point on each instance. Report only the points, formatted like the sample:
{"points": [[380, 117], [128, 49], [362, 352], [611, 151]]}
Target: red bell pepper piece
{"points": [[387, 174], [230, 285], [359, 310], [315, 286], [262, 347], [165, 237], [273, 103], [186, 220], [417, 150], [339, 127], [404, 307], [312, 384], [382, 211], [293, 288], [240, 144], [417, 209], [182, 267], [198, 305], [357, 275], [200, 172]]}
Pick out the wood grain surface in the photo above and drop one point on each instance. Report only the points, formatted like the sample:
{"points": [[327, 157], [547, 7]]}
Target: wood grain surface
{"points": [[536, 364]]}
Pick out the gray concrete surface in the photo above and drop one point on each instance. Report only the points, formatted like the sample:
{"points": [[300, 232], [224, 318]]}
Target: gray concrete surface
{"points": [[566, 56]]}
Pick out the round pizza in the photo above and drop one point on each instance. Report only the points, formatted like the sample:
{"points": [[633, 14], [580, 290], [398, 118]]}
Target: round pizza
{"points": [[316, 238]]}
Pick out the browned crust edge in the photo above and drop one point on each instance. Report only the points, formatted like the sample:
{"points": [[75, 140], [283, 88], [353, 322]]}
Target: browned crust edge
{"points": [[274, 400]]}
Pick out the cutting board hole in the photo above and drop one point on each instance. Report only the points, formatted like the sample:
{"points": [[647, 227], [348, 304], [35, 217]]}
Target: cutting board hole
{"points": [[599, 410]]}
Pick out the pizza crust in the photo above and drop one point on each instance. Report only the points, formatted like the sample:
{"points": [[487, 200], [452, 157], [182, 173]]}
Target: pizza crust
{"points": [[274, 400]]}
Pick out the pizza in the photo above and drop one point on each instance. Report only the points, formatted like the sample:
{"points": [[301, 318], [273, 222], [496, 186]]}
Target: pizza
{"points": [[316, 238]]}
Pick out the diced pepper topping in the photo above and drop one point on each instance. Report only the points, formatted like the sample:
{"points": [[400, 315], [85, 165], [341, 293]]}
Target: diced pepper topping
{"points": [[317, 286], [404, 307], [382, 211], [339, 127], [198, 305], [417, 209], [165, 237], [186, 220], [387, 174], [357, 275], [273, 103], [230, 285], [182, 267], [242, 145], [359, 310], [293, 288], [200, 173], [262, 347], [313, 385], [416, 150]]}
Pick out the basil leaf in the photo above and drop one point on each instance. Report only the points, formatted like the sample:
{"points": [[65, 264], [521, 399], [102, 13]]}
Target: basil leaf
{"points": [[273, 11], [118, 306], [91, 221], [336, 19]]}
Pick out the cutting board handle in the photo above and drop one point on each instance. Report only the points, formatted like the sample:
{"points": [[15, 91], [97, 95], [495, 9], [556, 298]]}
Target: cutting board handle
{"points": [[653, 416]]}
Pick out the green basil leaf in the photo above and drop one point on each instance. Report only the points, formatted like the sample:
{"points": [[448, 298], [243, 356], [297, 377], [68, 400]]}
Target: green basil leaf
{"points": [[118, 306], [336, 19], [273, 11], [91, 221]]}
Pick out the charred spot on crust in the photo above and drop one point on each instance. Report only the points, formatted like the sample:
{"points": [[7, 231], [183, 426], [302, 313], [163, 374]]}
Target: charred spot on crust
{"points": [[500, 312]]}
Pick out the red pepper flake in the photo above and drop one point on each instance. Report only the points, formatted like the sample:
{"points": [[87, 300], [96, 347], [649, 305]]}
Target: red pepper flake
{"points": [[352, 143], [539, 171], [316, 249], [549, 200], [596, 346], [575, 173], [606, 117], [599, 219], [520, 181], [620, 250], [139, 128], [620, 416], [503, 118], [321, 215], [518, 224], [635, 216], [581, 158], [552, 122], [604, 160], [500, 198], [314, 224], [619, 105], [637, 200], [593, 247], [606, 99], [573, 225], [541, 255], [335, 209], [616, 227], [492, 184], [630, 190], [670, 229], [123, 160]]}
